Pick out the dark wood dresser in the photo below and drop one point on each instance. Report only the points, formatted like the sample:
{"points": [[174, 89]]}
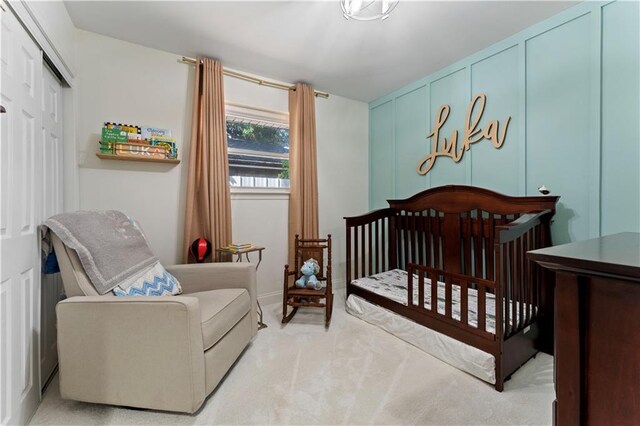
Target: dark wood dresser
{"points": [[597, 329]]}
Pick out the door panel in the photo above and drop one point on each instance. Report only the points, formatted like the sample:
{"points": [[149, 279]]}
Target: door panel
{"points": [[20, 171], [51, 136]]}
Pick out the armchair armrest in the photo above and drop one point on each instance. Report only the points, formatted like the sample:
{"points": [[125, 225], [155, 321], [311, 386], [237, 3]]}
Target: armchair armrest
{"points": [[132, 351], [198, 277]]}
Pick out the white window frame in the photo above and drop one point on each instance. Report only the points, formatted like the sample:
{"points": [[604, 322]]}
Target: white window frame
{"points": [[251, 113]]}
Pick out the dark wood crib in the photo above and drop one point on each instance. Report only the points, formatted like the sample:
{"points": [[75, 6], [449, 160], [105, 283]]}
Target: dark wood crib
{"points": [[469, 238]]}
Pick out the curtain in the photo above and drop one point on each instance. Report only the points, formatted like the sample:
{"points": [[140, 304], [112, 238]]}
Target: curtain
{"points": [[208, 210], [303, 174]]}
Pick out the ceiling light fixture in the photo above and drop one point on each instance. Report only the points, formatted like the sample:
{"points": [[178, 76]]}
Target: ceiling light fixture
{"points": [[367, 10]]}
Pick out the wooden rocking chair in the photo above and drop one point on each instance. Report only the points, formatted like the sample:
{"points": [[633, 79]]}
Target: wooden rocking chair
{"points": [[320, 250]]}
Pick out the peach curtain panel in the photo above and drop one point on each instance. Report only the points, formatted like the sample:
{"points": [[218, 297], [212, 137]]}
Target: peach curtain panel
{"points": [[208, 211], [303, 169]]}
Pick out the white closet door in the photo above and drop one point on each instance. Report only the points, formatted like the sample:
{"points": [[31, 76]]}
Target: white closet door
{"points": [[51, 289], [20, 192]]}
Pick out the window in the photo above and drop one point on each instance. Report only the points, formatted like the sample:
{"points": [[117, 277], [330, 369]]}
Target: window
{"points": [[258, 147]]}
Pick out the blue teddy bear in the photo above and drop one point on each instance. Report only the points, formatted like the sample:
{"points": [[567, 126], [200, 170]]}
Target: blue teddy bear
{"points": [[308, 279]]}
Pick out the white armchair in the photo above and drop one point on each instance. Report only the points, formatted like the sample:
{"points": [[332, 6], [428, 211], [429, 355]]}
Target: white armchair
{"points": [[165, 353]]}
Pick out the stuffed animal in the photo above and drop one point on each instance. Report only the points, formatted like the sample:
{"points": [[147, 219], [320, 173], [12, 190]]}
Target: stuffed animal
{"points": [[308, 279]]}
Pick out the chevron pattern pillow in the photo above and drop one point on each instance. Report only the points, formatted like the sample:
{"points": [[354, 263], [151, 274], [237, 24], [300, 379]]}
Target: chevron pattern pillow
{"points": [[155, 281]]}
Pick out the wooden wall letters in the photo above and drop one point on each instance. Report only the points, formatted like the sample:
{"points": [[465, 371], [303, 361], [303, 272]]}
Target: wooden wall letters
{"points": [[449, 148]]}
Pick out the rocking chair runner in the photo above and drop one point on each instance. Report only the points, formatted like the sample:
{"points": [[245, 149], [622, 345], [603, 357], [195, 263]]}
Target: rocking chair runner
{"points": [[297, 297]]}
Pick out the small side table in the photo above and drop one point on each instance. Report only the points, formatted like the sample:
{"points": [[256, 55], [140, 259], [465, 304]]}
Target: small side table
{"points": [[246, 252]]}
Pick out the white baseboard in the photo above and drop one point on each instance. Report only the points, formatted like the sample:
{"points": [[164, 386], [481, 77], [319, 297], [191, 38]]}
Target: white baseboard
{"points": [[276, 296]]}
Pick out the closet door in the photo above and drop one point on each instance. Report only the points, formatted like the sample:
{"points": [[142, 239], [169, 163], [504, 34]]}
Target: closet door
{"points": [[20, 192], [51, 289]]}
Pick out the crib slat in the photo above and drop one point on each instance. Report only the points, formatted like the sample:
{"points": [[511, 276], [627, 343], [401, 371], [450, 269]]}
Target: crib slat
{"points": [[530, 277], [514, 296], [534, 278], [413, 248], [525, 279], [482, 307], [477, 239], [434, 292], [410, 286], [519, 290], [403, 238], [410, 237], [420, 231], [370, 249], [349, 257], [464, 302], [491, 266], [355, 252], [467, 244], [398, 248], [436, 241], [363, 254], [447, 296], [521, 262], [539, 272], [529, 266], [377, 246], [383, 237], [428, 240], [385, 255], [421, 288], [505, 289], [407, 239], [399, 235]]}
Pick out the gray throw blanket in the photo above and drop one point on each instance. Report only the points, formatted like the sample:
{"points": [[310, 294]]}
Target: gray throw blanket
{"points": [[111, 247]]}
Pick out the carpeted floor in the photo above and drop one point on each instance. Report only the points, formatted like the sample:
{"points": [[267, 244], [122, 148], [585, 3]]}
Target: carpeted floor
{"points": [[352, 373]]}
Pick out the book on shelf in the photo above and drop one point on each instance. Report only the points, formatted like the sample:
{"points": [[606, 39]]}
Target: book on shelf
{"points": [[149, 132]]}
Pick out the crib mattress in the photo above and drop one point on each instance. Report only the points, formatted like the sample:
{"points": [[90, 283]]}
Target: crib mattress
{"points": [[393, 285]]}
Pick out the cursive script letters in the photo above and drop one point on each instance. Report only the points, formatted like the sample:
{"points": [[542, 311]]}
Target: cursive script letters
{"points": [[472, 134]]}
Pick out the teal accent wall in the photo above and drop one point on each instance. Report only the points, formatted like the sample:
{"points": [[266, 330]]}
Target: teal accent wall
{"points": [[571, 85]]}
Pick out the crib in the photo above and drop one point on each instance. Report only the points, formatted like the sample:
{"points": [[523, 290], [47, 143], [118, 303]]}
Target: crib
{"points": [[452, 259]]}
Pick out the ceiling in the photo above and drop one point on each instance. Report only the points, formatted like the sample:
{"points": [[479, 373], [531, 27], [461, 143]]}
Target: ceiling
{"points": [[310, 40]]}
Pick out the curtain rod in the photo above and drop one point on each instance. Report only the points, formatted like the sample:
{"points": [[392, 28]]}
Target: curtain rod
{"points": [[245, 77]]}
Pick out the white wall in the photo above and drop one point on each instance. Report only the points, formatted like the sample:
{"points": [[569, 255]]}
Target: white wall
{"points": [[128, 83]]}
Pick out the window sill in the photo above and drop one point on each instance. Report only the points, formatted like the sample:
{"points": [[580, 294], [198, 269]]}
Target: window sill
{"points": [[259, 193]]}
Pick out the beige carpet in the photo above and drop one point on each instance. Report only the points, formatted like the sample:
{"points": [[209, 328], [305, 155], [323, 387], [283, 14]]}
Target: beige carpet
{"points": [[353, 373]]}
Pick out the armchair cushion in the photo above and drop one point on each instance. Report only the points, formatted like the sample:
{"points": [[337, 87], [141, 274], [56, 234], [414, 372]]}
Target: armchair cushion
{"points": [[202, 277], [220, 310]]}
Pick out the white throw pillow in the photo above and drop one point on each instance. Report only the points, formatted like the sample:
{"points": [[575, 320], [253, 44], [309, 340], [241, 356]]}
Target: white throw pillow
{"points": [[155, 281]]}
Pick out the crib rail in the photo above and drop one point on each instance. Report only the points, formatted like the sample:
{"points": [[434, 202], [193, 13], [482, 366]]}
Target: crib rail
{"points": [[493, 262], [462, 295], [521, 280]]}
